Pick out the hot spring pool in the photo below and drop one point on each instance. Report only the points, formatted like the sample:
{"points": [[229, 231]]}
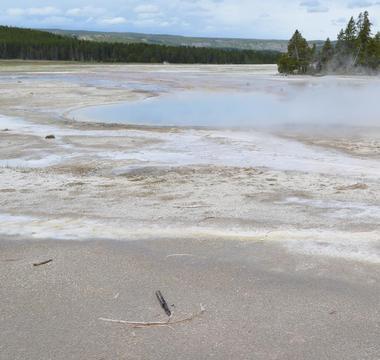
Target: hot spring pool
{"points": [[322, 102]]}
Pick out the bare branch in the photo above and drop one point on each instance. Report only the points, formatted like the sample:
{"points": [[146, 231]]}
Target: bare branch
{"points": [[169, 322], [43, 262]]}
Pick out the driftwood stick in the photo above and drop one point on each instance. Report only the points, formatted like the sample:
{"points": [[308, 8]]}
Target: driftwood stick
{"points": [[191, 206], [179, 255], [168, 323], [43, 262], [163, 303]]}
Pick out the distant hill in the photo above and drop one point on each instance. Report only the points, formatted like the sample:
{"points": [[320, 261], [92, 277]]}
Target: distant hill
{"points": [[28, 44], [173, 40]]}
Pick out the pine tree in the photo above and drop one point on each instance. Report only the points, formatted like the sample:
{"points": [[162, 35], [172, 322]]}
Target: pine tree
{"points": [[350, 36], [355, 50], [299, 56], [346, 48], [327, 54], [373, 52], [364, 37], [339, 47], [16, 43], [298, 47]]}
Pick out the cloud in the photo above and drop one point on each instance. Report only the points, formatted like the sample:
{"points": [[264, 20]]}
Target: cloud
{"points": [[15, 12], [41, 11], [361, 4], [151, 15], [218, 18], [339, 21], [55, 20], [113, 20], [314, 6], [86, 11], [147, 8]]}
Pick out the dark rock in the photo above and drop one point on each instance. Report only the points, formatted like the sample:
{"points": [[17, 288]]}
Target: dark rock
{"points": [[50, 137]]}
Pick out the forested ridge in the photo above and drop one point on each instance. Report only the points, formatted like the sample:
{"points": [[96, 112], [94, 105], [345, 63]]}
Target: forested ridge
{"points": [[356, 50], [177, 40], [27, 44]]}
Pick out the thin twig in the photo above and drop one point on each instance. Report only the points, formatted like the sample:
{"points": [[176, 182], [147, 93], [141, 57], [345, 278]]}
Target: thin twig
{"points": [[180, 255], [163, 303], [208, 218], [191, 206], [10, 260], [43, 262], [168, 323]]}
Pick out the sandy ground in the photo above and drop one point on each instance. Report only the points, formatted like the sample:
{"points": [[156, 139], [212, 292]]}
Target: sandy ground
{"points": [[261, 303], [277, 231]]}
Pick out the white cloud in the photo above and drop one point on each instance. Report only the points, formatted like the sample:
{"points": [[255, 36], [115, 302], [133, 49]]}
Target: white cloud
{"points": [[113, 20], [149, 15], [220, 18], [55, 20], [15, 12], [41, 11], [339, 21], [362, 4], [86, 11], [314, 6], [146, 8]]}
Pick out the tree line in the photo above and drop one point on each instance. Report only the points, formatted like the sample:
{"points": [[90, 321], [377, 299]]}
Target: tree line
{"points": [[355, 51], [27, 44]]}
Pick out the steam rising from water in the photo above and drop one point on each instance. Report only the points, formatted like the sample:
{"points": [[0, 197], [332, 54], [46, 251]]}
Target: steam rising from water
{"points": [[322, 102]]}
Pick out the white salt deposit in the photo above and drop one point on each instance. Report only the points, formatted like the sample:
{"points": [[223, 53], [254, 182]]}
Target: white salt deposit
{"points": [[66, 204]]}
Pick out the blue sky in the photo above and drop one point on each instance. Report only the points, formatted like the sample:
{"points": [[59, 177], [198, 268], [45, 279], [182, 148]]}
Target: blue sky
{"points": [[268, 19]]}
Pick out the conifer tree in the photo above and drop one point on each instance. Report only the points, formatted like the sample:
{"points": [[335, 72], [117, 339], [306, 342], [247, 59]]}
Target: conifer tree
{"points": [[16, 43], [350, 36], [373, 52], [364, 37], [327, 54], [355, 51], [298, 57]]}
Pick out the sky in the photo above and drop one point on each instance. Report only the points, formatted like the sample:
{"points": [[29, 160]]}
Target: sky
{"points": [[269, 19]]}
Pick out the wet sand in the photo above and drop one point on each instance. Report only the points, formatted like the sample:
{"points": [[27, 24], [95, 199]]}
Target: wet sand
{"points": [[274, 232]]}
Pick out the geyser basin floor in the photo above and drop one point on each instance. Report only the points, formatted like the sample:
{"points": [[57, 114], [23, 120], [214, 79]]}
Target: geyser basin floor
{"points": [[206, 181], [274, 230]]}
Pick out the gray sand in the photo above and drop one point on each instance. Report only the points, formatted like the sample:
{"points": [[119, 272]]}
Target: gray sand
{"points": [[261, 303]]}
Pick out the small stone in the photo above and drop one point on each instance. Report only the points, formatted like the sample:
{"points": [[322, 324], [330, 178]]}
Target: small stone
{"points": [[50, 137]]}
